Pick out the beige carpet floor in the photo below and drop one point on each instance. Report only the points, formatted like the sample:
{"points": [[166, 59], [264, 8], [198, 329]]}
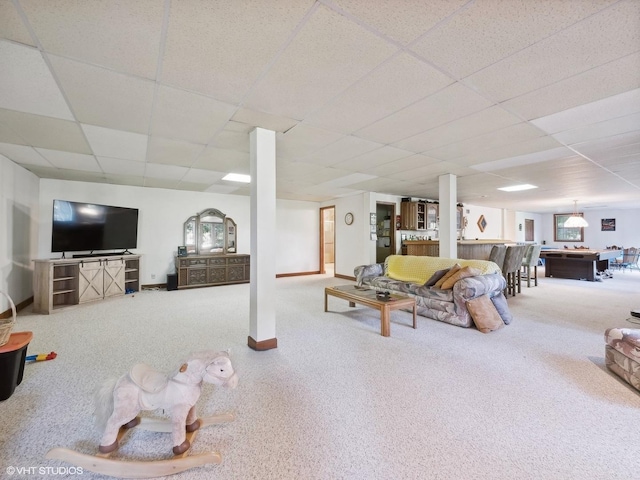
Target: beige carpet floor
{"points": [[336, 400]]}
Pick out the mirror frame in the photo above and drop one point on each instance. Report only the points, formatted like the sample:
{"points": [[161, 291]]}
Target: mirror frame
{"points": [[230, 242]]}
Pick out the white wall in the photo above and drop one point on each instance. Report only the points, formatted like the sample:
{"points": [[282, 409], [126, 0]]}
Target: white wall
{"points": [[19, 221], [493, 217], [162, 214], [538, 221], [627, 233]]}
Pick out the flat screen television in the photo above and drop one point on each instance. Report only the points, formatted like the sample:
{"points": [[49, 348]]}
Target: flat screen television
{"points": [[88, 226]]}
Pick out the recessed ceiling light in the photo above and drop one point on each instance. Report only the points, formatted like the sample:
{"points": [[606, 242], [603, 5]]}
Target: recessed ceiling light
{"points": [[237, 177], [517, 188]]}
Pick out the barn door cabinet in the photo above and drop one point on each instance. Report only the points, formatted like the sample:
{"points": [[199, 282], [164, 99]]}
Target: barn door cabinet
{"points": [[64, 283]]}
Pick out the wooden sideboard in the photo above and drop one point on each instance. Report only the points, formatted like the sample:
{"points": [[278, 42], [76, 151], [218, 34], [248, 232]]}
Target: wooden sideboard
{"points": [[64, 283], [467, 249], [208, 270]]}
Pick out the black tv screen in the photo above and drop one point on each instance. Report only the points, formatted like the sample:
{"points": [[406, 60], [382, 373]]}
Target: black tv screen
{"points": [[88, 226]]}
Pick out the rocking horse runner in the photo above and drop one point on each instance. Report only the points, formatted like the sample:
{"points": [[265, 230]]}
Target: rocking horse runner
{"points": [[119, 401]]}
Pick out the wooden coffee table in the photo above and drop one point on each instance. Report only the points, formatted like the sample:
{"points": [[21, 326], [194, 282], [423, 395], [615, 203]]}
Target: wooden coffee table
{"points": [[367, 297]]}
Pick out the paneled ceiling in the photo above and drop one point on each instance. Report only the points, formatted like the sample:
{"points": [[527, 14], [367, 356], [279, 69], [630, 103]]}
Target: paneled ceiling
{"points": [[365, 95]]}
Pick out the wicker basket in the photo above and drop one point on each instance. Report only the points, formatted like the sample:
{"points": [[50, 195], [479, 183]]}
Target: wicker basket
{"points": [[6, 324]]}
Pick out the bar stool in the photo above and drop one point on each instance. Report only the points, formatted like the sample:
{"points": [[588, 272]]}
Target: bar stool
{"points": [[497, 255], [531, 257], [511, 270]]}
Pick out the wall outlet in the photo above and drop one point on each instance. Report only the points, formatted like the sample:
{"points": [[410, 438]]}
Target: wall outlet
{"points": [[153, 276]]}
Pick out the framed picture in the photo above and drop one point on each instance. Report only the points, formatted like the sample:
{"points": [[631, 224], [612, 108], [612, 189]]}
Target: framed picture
{"points": [[372, 219], [608, 224], [182, 251]]}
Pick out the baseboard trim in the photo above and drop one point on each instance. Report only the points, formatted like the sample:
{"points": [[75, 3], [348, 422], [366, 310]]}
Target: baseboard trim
{"points": [[345, 277], [19, 306], [297, 274], [263, 344]]}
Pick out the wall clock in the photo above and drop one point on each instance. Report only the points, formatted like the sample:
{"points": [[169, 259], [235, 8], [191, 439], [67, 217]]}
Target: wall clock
{"points": [[348, 218]]}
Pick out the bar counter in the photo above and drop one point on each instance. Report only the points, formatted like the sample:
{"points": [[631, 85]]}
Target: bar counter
{"points": [[467, 249]]}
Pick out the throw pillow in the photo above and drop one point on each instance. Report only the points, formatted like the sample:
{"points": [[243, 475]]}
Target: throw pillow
{"points": [[435, 277], [484, 314], [462, 273], [451, 271], [500, 302]]}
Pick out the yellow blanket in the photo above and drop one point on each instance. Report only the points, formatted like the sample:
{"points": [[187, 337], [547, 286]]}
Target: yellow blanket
{"points": [[419, 269]]}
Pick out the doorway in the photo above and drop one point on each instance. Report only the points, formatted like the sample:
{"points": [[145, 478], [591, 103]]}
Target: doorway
{"points": [[528, 230], [327, 240], [385, 230]]}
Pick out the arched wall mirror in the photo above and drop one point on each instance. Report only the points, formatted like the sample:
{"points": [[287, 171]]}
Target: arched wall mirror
{"points": [[210, 232]]}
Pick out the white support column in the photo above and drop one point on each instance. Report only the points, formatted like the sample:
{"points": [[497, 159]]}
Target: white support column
{"points": [[262, 331], [447, 210]]}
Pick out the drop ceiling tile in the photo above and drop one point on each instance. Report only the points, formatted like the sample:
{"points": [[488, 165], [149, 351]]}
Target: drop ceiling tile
{"points": [[121, 36], [609, 145], [607, 128], [106, 142], [379, 94], [491, 30], [221, 160], [188, 116], [231, 140], [295, 171], [118, 166], [131, 180], [402, 165], [374, 158], [172, 152], [302, 140], [345, 148], [70, 160], [165, 172], [7, 135], [526, 159], [263, 120], [601, 110], [607, 80], [11, 25], [208, 177], [606, 36], [166, 183], [482, 122], [317, 65], [449, 104], [492, 140], [45, 132], [222, 189], [191, 186], [402, 22], [105, 98], [23, 155], [507, 151], [230, 42], [27, 83]]}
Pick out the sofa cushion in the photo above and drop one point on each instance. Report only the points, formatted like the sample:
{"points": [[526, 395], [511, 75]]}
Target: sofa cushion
{"points": [[500, 302], [464, 272], [435, 277], [447, 275], [484, 314]]}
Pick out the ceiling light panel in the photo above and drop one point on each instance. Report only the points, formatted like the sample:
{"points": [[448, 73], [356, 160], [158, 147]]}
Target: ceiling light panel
{"points": [[378, 95], [45, 132], [220, 39], [122, 36], [319, 62], [491, 30], [105, 98], [27, 83], [579, 48]]}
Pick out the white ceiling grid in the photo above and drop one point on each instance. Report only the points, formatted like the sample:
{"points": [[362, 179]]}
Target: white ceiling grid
{"points": [[163, 94]]}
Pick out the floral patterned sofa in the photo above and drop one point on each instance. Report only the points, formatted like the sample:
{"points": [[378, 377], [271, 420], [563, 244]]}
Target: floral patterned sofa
{"points": [[409, 274]]}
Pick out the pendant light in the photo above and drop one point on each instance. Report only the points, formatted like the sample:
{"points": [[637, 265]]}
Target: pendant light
{"points": [[575, 220]]}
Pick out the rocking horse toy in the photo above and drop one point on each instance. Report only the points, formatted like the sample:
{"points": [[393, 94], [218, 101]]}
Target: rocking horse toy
{"points": [[119, 401]]}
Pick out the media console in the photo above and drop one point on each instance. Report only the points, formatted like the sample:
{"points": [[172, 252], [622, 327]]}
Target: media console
{"points": [[66, 282]]}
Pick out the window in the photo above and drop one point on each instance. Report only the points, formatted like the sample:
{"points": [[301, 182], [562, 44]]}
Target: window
{"points": [[562, 234]]}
